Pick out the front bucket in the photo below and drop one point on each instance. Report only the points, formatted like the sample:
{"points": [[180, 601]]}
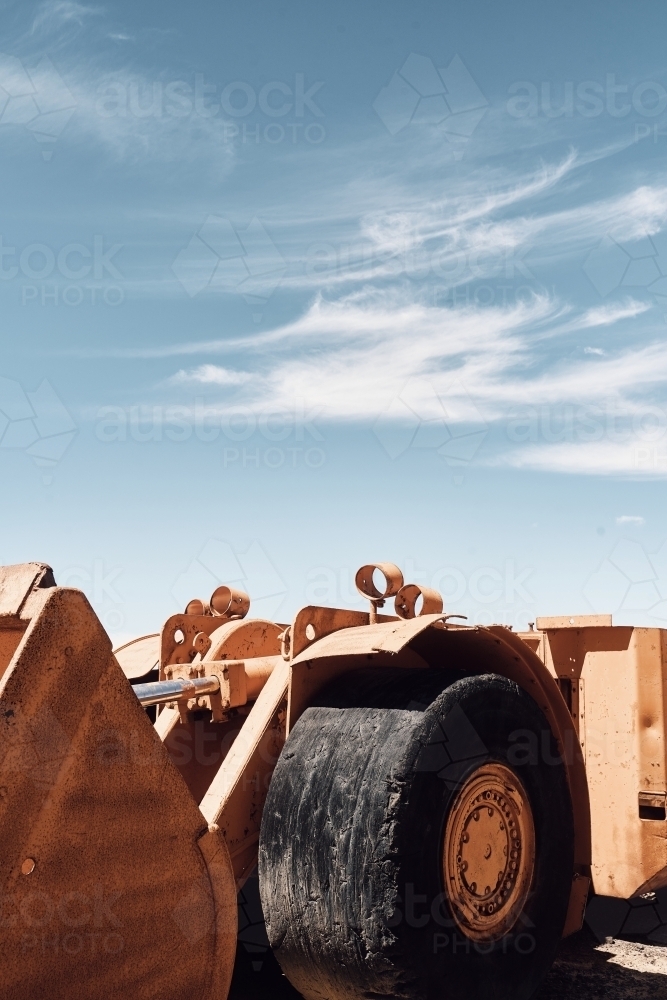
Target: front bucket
{"points": [[112, 884]]}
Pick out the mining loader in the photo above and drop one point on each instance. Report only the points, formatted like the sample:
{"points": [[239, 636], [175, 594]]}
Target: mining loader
{"points": [[427, 806]]}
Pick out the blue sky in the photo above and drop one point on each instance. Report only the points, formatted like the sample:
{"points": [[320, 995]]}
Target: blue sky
{"points": [[287, 288]]}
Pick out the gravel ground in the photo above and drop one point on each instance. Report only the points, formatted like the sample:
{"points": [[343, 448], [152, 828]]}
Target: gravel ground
{"points": [[615, 970], [631, 964], [584, 970]]}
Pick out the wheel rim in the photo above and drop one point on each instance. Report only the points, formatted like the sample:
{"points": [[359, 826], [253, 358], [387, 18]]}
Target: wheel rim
{"points": [[489, 853]]}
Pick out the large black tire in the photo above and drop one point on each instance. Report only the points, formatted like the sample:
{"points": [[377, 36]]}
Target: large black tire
{"points": [[351, 845]]}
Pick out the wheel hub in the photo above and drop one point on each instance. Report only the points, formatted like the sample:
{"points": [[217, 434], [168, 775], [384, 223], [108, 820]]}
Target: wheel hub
{"points": [[489, 853]]}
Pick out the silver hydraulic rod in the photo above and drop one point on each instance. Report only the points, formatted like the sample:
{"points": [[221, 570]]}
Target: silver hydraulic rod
{"points": [[160, 692]]}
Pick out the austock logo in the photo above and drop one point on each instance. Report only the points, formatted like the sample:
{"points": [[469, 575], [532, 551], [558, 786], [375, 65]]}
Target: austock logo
{"points": [[628, 264], [35, 422], [219, 563], [193, 919], [418, 418], [630, 580], [178, 99], [278, 439], [418, 94], [76, 923], [99, 584], [69, 275], [38, 750], [586, 99], [252, 929], [453, 749], [641, 916], [500, 593], [240, 261], [37, 99]]}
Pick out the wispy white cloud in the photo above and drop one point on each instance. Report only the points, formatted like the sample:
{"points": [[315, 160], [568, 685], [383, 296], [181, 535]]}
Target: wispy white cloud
{"points": [[130, 116], [610, 313], [630, 519], [351, 357], [600, 458], [210, 375], [465, 236], [373, 324], [353, 354], [56, 13], [126, 114]]}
